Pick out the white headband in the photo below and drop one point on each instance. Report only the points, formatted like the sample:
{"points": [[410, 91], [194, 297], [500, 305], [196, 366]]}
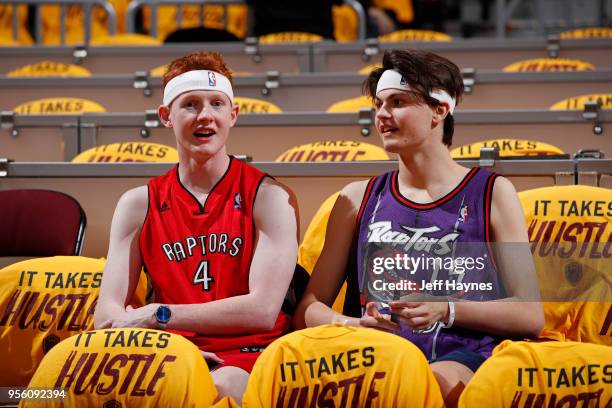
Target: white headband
{"points": [[198, 80], [391, 79]]}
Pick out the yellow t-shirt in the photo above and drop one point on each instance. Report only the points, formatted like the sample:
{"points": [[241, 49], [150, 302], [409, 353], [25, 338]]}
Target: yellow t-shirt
{"points": [[549, 374], [43, 301], [339, 366], [571, 235], [133, 367]]}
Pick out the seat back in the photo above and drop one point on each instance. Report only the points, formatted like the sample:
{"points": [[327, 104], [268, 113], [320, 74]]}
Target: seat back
{"points": [[130, 367], [569, 230], [44, 301], [548, 374], [40, 223], [341, 366]]}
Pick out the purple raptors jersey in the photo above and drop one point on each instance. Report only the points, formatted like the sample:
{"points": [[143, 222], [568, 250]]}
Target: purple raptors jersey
{"points": [[429, 246]]}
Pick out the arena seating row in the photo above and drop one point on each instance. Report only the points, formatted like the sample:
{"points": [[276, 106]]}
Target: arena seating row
{"points": [[304, 92], [98, 186], [480, 53], [265, 137], [57, 23], [316, 57], [509, 371]]}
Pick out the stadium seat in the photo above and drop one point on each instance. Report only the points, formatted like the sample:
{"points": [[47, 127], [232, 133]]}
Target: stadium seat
{"points": [[252, 105], [548, 374], [507, 148], [209, 16], [369, 68], [40, 223], [128, 152], [74, 29], [126, 367], [333, 150], [343, 367], [49, 69], [6, 26], [314, 238], [415, 35], [289, 37], [586, 33], [199, 35], [549, 65], [58, 106], [351, 105], [578, 102], [125, 40], [569, 227], [43, 301], [7, 41], [346, 23]]}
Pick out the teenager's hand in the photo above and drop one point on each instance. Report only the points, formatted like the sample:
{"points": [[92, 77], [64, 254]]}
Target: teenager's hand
{"points": [[420, 311], [140, 317], [375, 320], [212, 357]]}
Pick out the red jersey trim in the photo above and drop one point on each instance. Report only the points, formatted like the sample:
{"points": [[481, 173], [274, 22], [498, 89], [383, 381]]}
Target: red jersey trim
{"points": [[202, 207], [364, 200], [254, 236], [420, 206], [488, 200]]}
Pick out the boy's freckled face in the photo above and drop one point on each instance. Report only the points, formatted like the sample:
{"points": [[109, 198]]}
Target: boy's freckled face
{"points": [[202, 120]]}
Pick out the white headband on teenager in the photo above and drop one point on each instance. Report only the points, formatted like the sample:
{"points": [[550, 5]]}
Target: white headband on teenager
{"points": [[391, 79], [197, 80]]}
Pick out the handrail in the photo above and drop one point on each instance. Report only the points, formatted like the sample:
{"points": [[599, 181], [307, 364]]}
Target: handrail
{"points": [[476, 116], [485, 76], [361, 17], [87, 8], [507, 167], [505, 9], [137, 4]]}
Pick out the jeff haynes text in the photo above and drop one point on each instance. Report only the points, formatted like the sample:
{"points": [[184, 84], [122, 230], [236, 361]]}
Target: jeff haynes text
{"points": [[436, 285]]}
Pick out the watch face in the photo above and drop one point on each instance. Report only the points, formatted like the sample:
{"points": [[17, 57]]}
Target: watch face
{"points": [[163, 314]]}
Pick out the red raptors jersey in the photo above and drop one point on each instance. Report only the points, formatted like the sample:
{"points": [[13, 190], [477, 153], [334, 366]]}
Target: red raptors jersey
{"points": [[197, 254]]}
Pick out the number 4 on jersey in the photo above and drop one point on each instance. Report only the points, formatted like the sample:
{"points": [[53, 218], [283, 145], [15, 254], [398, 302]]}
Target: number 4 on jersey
{"points": [[201, 276]]}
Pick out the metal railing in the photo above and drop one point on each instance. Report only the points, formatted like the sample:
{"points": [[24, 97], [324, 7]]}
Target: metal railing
{"points": [[135, 5], [512, 167], [87, 5], [506, 8]]}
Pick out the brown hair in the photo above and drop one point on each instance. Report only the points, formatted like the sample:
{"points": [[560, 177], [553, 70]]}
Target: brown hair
{"points": [[424, 71], [212, 61]]}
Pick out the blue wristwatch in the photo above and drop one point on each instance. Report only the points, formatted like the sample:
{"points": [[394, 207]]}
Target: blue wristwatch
{"points": [[163, 315]]}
